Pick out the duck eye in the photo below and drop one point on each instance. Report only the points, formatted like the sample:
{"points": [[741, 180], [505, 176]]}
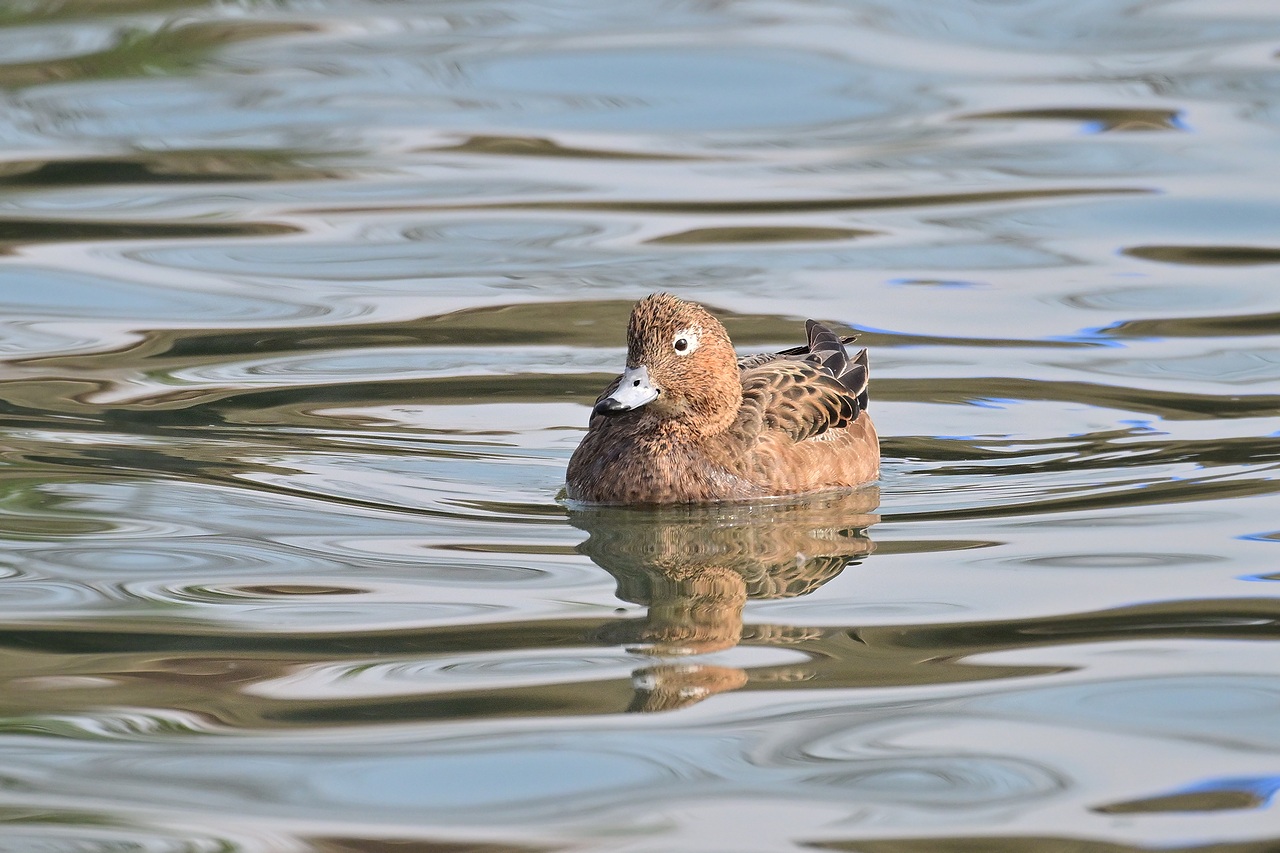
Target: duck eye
{"points": [[685, 341]]}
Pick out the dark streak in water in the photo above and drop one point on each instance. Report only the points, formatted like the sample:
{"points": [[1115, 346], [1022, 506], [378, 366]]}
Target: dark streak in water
{"points": [[756, 206], [758, 234], [416, 844], [1028, 844], [1197, 801], [1105, 118], [191, 166], [1237, 619], [1211, 256], [1240, 325], [532, 146], [61, 230]]}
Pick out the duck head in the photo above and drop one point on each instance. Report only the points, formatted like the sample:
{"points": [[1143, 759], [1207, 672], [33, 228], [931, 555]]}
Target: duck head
{"points": [[681, 366]]}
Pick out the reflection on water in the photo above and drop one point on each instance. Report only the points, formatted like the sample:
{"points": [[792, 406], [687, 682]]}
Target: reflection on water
{"points": [[694, 568], [303, 307]]}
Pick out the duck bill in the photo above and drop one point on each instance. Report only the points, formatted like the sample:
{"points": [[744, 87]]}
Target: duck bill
{"points": [[634, 390]]}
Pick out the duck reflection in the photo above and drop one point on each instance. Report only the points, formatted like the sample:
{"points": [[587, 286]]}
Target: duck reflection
{"points": [[695, 567]]}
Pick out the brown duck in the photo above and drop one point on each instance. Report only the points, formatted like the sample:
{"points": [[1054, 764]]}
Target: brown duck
{"points": [[688, 421]]}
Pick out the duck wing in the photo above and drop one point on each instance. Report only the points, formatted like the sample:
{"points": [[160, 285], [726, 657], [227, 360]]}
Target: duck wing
{"points": [[827, 348], [806, 390]]}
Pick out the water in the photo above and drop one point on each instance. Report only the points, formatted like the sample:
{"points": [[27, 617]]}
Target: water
{"points": [[304, 304]]}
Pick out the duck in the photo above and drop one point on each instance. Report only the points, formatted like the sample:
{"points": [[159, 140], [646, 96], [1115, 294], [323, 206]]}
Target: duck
{"points": [[688, 421]]}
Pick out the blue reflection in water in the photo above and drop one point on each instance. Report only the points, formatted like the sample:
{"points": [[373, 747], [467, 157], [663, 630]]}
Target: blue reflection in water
{"points": [[478, 778], [1264, 788], [43, 292]]}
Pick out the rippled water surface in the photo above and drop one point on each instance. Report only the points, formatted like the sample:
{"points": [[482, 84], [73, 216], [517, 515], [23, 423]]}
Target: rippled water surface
{"points": [[304, 303]]}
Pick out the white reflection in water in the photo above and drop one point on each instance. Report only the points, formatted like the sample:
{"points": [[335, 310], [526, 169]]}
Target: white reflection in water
{"points": [[629, 90], [373, 364], [39, 293]]}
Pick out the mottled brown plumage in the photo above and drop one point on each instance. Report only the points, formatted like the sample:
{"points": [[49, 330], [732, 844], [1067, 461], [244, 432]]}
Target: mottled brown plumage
{"points": [[690, 422]]}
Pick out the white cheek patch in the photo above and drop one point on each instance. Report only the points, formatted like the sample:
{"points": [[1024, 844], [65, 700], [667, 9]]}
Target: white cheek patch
{"points": [[690, 338]]}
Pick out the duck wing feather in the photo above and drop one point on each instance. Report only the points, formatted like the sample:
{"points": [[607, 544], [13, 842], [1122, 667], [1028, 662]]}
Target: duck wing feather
{"points": [[804, 391]]}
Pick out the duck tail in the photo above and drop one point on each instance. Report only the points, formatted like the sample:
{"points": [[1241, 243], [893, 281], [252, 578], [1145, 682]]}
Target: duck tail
{"points": [[864, 369], [827, 349]]}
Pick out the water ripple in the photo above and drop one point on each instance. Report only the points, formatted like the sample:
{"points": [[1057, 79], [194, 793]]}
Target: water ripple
{"points": [[306, 309], [448, 674], [939, 783]]}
